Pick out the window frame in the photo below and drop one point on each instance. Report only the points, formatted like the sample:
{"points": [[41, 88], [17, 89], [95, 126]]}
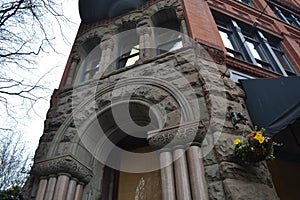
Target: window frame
{"points": [[125, 48], [240, 35], [91, 64], [286, 16], [167, 19]]}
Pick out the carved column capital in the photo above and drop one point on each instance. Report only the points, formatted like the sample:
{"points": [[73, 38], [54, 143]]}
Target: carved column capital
{"points": [[144, 30], [183, 134], [63, 164]]}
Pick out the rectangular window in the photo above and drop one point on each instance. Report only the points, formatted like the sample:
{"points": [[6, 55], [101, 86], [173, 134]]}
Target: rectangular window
{"points": [[284, 61], [227, 38], [286, 16], [247, 43]]}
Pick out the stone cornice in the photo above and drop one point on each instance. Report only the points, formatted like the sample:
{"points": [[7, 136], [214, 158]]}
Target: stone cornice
{"points": [[63, 164]]}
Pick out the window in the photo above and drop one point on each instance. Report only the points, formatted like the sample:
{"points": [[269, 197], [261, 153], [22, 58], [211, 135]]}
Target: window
{"points": [[284, 61], [246, 2], [247, 43], [129, 50], [286, 16], [91, 64], [92, 53], [168, 35], [236, 76], [228, 40]]}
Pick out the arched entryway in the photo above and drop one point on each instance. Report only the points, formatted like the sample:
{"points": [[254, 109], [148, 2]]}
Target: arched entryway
{"points": [[131, 169]]}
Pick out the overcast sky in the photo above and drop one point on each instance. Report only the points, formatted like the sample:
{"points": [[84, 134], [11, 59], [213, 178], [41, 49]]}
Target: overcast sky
{"points": [[34, 127]]}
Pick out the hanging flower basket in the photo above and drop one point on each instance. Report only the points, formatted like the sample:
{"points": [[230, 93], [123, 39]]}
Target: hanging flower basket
{"points": [[255, 147]]}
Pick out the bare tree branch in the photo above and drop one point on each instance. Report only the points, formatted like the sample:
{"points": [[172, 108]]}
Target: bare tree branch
{"points": [[27, 30]]}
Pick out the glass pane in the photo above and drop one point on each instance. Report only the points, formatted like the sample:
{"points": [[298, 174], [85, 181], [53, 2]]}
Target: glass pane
{"points": [[170, 46], [282, 60], [225, 39], [253, 50], [133, 56], [246, 1], [91, 63]]}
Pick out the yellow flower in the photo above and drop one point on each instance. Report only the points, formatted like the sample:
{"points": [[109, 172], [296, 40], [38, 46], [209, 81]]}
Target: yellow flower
{"points": [[259, 137], [237, 141], [261, 140], [12, 189]]}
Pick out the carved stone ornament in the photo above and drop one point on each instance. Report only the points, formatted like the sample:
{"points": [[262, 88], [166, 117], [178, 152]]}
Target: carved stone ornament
{"points": [[63, 164], [183, 134]]}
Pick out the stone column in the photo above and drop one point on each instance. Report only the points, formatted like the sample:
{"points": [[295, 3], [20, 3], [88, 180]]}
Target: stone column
{"points": [[72, 72], [167, 176], [79, 191], [62, 186], [106, 55], [50, 187], [181, 174], [197, 174], [42, 188], [146, 46], [72, 189]]}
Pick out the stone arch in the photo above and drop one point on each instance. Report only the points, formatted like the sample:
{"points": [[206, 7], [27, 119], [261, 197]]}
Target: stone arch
{"points": [[105, 155], [161, 95]]}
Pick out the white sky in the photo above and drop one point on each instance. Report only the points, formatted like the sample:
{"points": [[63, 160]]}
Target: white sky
{"points": [[34, 127]]}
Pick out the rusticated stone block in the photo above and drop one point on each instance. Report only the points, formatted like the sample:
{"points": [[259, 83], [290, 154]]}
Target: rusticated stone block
{"points": [[225, 147], [210, 158], [257, 174], [216, 191], [212, 173], [245, 190]]}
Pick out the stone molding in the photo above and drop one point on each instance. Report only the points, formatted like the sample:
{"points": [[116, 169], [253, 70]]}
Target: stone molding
{"points": [[183, 134], [63, 164]]}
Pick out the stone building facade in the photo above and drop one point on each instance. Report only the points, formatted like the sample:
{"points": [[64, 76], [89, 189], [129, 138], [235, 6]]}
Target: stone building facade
{"points": [[142, 108]]}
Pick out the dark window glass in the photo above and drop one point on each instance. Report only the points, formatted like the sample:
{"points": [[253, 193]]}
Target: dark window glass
{"points": [[246, 2], [168, 36], [129, 50], [91, 64]]}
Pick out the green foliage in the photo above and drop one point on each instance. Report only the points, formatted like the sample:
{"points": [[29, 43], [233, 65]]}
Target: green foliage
{"points": [[12, 193]]}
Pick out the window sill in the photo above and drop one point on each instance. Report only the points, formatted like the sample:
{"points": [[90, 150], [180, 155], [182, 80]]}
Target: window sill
{"points": [[249, 68]]}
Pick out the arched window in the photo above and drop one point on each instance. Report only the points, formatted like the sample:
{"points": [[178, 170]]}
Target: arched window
{"points": [[90, 65], [128, 46], [168, 36]]}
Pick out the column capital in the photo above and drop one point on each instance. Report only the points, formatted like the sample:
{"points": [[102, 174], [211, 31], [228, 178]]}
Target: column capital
{"points": [[183, 134], [66, 164], [144, 30]]}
